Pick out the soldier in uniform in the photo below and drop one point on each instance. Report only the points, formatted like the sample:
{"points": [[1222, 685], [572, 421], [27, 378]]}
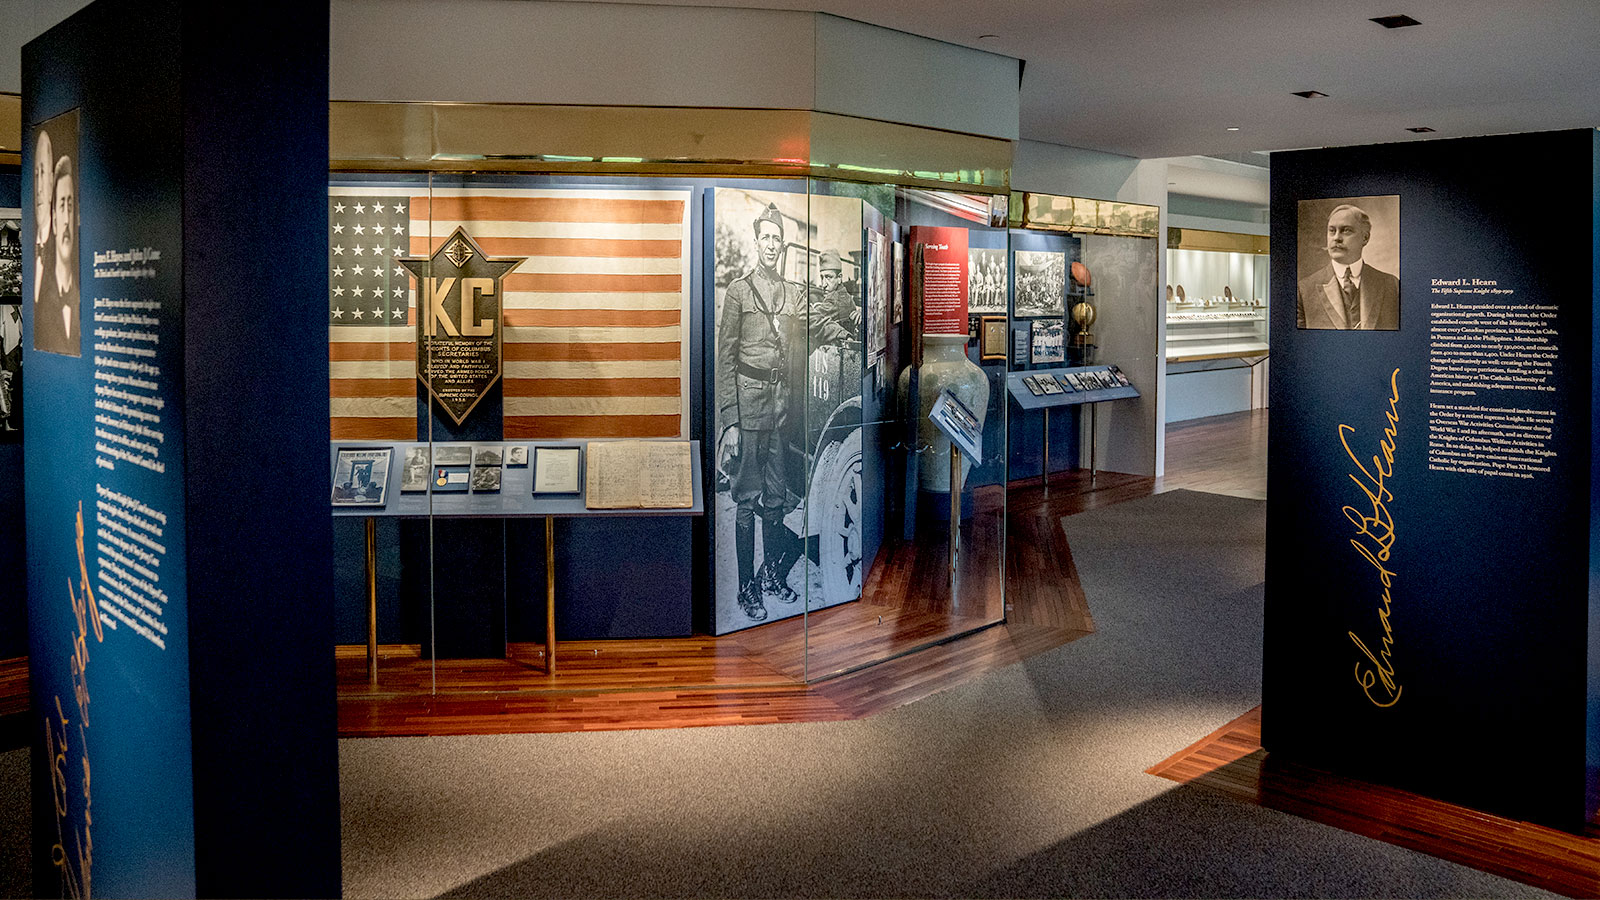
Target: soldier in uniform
{"points": [[761, 343]]}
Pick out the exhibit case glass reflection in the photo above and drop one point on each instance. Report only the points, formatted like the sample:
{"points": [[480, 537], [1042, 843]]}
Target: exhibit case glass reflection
{"points": [[609, 412]]}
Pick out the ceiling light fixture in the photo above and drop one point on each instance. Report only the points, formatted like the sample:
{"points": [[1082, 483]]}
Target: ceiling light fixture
{"points": [[1396, 21], [1309, 95], [1233, 128], [1420, 129]]}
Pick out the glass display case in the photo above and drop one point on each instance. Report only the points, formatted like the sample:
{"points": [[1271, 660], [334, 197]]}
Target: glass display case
{"points": [[521, 296], [1216, 296]]}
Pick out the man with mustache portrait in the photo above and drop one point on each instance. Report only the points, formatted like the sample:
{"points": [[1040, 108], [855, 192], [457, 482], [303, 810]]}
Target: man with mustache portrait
{"points": [[1348, 293]]}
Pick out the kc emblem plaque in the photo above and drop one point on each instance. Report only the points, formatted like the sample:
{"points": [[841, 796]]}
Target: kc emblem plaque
{"points": [[459, 291]]}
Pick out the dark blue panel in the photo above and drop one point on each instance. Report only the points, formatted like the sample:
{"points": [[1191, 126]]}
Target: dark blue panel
{"points": [[1485, 620], [255, 103], [622, 577], [126, 713], [201, 135], [1593, 719], [350, 583]]}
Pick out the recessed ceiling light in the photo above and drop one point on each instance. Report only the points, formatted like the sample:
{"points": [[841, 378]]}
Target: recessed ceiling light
{"points": [[1396, 21], [988, 37], [1233, 128], [1309, 95], [1420, 129]]}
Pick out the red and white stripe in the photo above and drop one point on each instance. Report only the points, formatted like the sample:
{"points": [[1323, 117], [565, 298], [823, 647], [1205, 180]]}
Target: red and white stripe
{"points": [[596, 318]]}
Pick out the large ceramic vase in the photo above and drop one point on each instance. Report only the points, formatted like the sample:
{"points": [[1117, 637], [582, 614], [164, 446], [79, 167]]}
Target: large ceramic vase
{"points": [[945, 366]]}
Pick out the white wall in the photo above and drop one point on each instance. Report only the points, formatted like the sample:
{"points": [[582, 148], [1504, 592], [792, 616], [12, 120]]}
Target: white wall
{"points": [[20, 22], [617, 54], [582, 53], [865, 70]]}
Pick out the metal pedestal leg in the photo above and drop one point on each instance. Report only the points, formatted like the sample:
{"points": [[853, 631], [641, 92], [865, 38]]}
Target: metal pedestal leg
{"points": [[372, 602]]}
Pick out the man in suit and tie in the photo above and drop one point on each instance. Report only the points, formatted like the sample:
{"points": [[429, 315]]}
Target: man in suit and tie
{"points": [[1349, 294]]}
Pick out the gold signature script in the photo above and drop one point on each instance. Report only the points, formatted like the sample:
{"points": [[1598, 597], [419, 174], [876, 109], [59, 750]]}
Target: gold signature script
{"points": [[1374, 540], [77, 862]]}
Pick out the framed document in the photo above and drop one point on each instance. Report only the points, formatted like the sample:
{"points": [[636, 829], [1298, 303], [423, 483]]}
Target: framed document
{"points": [[1049, 384], [992, 338], [361, 477], [639, 475], [1032, 384], [557, 470]]}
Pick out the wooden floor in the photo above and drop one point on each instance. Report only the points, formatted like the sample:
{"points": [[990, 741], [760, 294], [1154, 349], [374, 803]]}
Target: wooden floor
{"points": [[1219, 455], [1230, 761]]}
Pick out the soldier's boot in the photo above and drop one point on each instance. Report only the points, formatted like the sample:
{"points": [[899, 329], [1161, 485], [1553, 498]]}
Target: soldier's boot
{"points": [[750, 601], [774, 586], [744, 547], [785, 549]]}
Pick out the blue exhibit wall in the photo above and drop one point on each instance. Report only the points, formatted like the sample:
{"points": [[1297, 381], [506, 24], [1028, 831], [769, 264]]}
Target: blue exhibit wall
{"points": [[178, 551], [1027, 428], [14, 603], [1429, 546]]}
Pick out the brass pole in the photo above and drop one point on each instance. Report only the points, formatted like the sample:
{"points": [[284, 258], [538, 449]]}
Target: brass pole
{"points": [[1094, 434], [550, 595], [372, 601], [1045, 472], [955, 507]]}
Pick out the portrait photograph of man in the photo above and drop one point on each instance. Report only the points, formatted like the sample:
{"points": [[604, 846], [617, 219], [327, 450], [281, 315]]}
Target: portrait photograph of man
{"points": [[55, 270], [789, 314], [1349, 264]]}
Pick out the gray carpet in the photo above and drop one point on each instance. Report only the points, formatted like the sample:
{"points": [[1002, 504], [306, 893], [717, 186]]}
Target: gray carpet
{"points": [[15, 810], [1027, 783]]}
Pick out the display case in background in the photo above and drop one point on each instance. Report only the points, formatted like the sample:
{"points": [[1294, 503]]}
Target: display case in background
{"points": [[1216, 322]]}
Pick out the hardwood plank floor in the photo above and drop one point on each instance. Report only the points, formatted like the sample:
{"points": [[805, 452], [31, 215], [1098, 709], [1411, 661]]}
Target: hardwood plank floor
{"points": [[1219, 454], [1230, 761]]}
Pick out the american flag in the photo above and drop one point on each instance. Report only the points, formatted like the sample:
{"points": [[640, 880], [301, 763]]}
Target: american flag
{"points": [[594, 319], [372, 351]]}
